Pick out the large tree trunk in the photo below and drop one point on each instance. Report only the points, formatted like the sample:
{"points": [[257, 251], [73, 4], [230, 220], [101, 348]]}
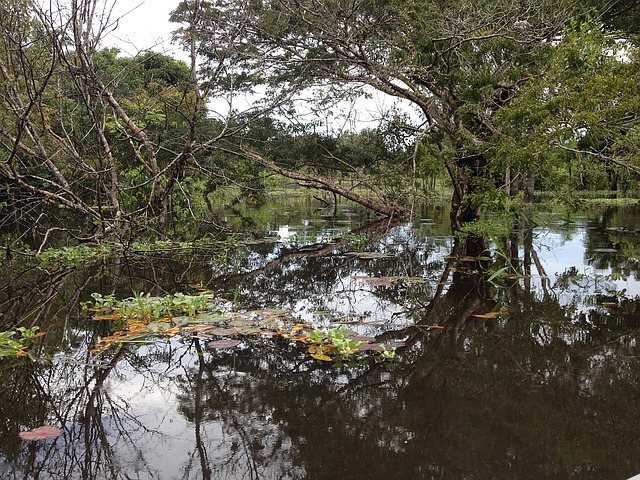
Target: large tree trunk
{"points": [[529, 186], [466, 171]]}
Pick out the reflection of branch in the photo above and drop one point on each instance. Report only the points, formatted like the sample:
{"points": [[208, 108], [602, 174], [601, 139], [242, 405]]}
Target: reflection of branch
{"points": [[318, 249], [544, 279], [198, 414]]}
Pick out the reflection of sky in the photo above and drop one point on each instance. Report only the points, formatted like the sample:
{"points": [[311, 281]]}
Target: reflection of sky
{"points": [[559, 251]]}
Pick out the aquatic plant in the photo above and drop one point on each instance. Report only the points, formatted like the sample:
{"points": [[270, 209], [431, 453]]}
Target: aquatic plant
{"points": [[15, 343]]}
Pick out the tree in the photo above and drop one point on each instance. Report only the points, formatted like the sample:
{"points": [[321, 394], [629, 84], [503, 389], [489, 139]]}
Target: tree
{"points": [[582, 109], [457, 62], [108, 139]]}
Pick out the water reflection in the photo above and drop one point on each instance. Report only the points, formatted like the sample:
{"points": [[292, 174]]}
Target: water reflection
{"points": [[549, 389]]}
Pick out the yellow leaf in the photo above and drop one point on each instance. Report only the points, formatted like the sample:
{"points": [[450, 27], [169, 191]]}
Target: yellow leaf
{"points": [[110, 316], [321, 356], [301, 338]]}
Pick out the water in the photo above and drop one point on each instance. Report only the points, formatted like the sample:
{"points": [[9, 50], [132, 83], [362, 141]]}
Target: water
{"points": [[549, 389]]}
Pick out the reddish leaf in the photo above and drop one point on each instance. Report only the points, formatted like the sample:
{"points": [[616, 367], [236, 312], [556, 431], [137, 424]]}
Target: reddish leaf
{"points": [[41, 433], [375, 347], [224, 344]]}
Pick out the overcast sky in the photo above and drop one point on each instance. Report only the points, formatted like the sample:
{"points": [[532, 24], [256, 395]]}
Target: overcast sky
{"points": [[143, 24]]}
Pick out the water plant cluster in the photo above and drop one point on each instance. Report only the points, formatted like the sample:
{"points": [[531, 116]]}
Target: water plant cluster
{"points": [[140, 317], [15, 343], [342, 344], [79, 255]]}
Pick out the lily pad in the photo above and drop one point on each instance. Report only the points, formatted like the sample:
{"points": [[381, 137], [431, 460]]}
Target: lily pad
{"points": [[242, 322], [40, 433], [205, 317], [249, 330], [223, 332], [363, 338], [224, 344], [158, 326]]}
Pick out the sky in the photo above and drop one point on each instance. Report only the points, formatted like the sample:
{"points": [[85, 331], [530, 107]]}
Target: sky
{"points": [[143, 24]]}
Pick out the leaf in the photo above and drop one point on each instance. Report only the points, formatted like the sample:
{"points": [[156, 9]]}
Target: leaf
{"points": [[249, 330], [40, 433], [111, 316], [363, 338], [224, 344], [321, 356], [223, 332], [156, 327], [489, 315], [610, 304], [374, 347], [201, 318], [300, 338], [242, 322]]}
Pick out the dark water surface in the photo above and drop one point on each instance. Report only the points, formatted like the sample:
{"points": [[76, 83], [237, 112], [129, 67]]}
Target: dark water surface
{"points": [[549, 389]]}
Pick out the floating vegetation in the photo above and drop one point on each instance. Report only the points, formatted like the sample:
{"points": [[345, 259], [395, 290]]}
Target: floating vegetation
{"points": [[16, 343], [86, 255], [139, 318]]}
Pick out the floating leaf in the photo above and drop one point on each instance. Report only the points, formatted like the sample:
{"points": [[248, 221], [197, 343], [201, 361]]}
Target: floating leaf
{"points": [[224, 344], [375, 347], [158, 326], [363, 338], [321, 356], [201, 318], [610, 304], [250, 330], [242, 322], [111, 316], [300, 338], [223, 332], [40, 433], [489, 315]]}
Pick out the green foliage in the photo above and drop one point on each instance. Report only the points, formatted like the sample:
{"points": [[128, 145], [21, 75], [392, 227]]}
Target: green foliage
{"points": [[357, 241], [14, 343], [339, 345], [143, 306], [86, 255], [579, 114]]}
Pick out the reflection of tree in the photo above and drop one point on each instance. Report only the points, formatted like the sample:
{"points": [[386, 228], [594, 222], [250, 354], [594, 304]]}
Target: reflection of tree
{"points": [[75, 397], [540, 392], [326, 275], [612, 243]]}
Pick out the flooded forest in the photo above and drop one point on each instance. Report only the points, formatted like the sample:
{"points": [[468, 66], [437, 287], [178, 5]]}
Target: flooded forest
{"points": [[530, 373], [303, 239]]}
